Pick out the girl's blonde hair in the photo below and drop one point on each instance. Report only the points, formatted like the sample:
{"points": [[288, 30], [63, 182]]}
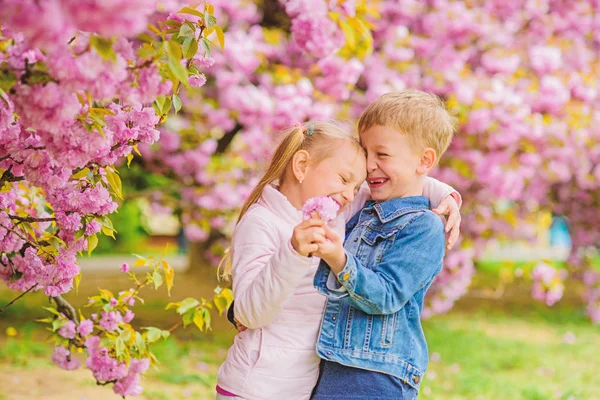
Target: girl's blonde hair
{"points": [[317, 138]]}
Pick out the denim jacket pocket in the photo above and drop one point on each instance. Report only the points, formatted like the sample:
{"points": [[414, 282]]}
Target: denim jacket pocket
{"points": [[376, 243], [387, 330]]}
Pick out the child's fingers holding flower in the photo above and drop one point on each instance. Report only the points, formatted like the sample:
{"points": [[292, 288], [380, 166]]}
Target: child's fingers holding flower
{"points": [[307, 235], [332, 250]]}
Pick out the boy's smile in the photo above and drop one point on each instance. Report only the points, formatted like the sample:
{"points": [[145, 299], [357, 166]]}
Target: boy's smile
{"points": [[392, 164]]}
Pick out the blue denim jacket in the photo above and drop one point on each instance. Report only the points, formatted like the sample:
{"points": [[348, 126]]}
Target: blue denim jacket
{"points": [[372, 318]]}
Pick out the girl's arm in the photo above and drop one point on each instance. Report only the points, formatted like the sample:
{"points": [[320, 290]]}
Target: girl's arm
{"points": [[265, 272], [437, 191], [433, 189]]}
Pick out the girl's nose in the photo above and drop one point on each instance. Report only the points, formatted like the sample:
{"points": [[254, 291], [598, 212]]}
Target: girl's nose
{"points": [[348, 195]]}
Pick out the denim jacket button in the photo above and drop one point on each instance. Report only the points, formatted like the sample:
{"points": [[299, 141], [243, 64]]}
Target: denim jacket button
{"points": [[415, 379], [355, 240], [333, 318], [328, 353]]}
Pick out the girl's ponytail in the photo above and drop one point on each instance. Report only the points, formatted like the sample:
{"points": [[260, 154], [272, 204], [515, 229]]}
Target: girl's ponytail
{"points": [[291, 143]]}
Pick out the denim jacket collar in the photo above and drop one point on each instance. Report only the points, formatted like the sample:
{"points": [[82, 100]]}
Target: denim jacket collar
{"points": [[394, 208]]}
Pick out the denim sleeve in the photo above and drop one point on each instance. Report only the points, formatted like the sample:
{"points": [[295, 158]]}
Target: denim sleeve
{"points": [[414, 259]]}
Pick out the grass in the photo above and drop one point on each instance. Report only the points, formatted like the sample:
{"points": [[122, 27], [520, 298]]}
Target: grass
{"points": [[507, 348], [498, 356]]}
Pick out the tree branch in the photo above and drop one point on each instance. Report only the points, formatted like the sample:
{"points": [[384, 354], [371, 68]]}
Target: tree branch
{"points": [[66, 308], [31, 219], [226, 140], [7, 176], [17, 298]]}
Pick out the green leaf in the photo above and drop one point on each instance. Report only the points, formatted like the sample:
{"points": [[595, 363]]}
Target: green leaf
{"points": [[188, 317], [199, 321], [206, 46], [177, 103], [120, 347], [140, 262], [206, 315], [167, 106], [179, 72], [210, 20], [57, 324], [77, 281], [173, 50], [349, 33], [103, 47], [169, 276], [172, 305], [165, 334], [140, 343], [221, 304], [191, 11], [92, 243], [7, 80], [220, 36], [81, 174], [112, 176], [173, 23], [190, 47], [158, 279], [153, 334], [186, 32], [187, 304]]}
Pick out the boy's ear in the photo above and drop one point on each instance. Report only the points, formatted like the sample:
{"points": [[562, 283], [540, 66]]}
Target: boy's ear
{"points": [[427, 161], [299, 164]]}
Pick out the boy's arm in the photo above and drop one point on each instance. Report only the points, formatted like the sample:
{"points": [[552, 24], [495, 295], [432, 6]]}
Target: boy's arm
{"points": [[437, 191], [414, 259], [265, 272]]}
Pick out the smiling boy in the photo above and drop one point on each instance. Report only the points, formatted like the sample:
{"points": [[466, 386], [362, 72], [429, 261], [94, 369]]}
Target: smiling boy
{"points": [[371, 338]]}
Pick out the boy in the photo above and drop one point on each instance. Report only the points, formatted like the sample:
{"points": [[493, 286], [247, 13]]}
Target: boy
{"points": [[371, 339]]}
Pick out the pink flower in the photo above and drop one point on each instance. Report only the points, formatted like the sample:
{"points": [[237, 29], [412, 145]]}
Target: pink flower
{"points": [[125, 267], [197, 81], [325, 206], [60, 357], [110, 320], [129, 315], [68, 330], [85, 328]]}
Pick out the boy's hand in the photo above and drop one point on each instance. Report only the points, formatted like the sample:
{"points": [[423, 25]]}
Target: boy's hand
{"points": [[308, 235], [332, 250], [449, 207]]}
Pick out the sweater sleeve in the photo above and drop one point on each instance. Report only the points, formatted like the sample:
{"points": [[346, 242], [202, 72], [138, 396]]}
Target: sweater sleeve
{"points": [[265, 271]]}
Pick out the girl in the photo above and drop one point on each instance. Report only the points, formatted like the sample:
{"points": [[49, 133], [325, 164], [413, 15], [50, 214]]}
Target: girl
{"points": [[271, 267]]}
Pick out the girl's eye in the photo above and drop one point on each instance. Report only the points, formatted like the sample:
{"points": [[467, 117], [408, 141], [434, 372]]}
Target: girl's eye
{"points": [[344, 181], [382, 155]]}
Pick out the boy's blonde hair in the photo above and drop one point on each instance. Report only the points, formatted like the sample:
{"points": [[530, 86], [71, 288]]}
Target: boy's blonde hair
{"points": [[421, 116], [319, 139]]}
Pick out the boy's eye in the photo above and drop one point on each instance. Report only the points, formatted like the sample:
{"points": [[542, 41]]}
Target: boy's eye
{"points": [[382, 155], [344, 181]]}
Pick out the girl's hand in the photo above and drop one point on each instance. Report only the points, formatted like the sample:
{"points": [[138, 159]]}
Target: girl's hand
{"points": [[331, 250], [308, 235], [240, 328], [449, 207]]}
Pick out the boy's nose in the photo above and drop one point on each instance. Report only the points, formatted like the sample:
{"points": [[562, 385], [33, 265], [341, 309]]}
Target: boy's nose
{"points": [[371, 165]]}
